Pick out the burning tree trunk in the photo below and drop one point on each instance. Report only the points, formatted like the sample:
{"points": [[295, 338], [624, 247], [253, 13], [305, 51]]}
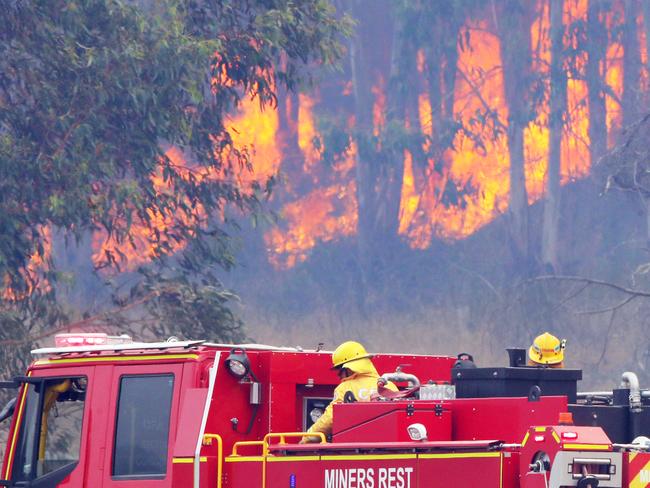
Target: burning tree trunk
{"points": [[287, 138], [514, 28], [632, 85], [631, 64], [646, 28], [433, 55], [364, 169], [402, 96], [596, 52], [556, 126], [370, 64], [441, 59]]}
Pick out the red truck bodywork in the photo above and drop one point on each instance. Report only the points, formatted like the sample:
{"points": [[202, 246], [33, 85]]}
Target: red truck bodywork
{"points": [[219, 436]]}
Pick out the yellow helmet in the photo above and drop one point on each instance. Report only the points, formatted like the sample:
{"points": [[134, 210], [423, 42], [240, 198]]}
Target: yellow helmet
{"points": [[353, 356], [547, 350]]}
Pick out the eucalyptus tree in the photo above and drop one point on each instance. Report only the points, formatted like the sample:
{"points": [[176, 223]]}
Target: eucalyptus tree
{"points": [[95, 93]]}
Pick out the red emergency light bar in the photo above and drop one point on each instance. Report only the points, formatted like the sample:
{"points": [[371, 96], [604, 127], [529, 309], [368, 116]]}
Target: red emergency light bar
{"points": [[90, 339]]}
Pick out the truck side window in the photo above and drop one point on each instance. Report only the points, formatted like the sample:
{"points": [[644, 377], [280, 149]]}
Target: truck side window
{"points": [[142, 426], [50, 435]]}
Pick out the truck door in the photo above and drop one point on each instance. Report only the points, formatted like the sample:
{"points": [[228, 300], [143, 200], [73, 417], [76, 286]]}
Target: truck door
{"points": [[50, 440], [143, 409]]}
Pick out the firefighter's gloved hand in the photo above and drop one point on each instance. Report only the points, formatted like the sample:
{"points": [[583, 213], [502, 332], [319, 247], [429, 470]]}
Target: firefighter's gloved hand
{"points": [[310, 439]]}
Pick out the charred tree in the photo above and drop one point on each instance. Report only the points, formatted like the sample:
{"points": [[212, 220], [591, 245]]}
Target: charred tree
{"points": [[631, 101], [596, 51], [631, 64], [287, 138], [370, 64], [513, 25], [558, 103], [287, 135], [402, 87], [364, 169], [441, 56], [646, 28], [441, 61]]}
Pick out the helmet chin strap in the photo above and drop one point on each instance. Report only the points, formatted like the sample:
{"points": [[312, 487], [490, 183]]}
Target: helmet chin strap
{"points": [[344, 373]]}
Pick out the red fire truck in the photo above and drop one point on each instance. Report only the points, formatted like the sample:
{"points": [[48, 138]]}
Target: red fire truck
{"points": [[101, 412]]}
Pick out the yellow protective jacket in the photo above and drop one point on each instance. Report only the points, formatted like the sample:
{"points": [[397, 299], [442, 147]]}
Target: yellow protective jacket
{"points": [[362, 383]]}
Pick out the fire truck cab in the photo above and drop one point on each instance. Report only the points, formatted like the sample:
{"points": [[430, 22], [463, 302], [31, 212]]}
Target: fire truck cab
{"points": [[196, 414]]}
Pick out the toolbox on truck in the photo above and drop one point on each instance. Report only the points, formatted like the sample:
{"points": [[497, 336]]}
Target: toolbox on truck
{"points": [[515, 382], [387, 421]]}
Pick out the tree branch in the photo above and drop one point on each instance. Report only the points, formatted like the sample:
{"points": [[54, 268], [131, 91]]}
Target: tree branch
{"points": [[613, 308], [590, 281]]}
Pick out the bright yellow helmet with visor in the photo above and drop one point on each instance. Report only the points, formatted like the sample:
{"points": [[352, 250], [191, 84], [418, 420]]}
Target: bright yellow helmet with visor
{"points": [[353, 356], [547, 349]]}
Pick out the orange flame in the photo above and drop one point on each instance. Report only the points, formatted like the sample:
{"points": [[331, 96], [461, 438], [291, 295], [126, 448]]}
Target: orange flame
{"points": [[379, 107], [448, 199], [326, 213], [576, 160], [307, 131], [256, 128], [332, 214], [484, 171], [34, 273], [483, 168], [614, 78], [139, 248], [252, 129]]}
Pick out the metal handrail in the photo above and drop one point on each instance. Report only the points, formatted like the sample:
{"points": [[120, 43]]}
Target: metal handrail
{"points": [[207, 441], [244, 443], [283, 437]]}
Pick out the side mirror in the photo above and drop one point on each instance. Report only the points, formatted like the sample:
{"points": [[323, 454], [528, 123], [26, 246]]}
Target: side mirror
{"points": [[8, 411]]}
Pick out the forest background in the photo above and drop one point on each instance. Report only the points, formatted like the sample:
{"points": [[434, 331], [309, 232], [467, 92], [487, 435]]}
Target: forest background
{"points": [[429, 177], [474, 176]]}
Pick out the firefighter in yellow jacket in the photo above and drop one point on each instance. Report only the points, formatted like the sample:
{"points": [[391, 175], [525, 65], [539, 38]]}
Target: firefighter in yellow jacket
{"points": [[358, 376]]}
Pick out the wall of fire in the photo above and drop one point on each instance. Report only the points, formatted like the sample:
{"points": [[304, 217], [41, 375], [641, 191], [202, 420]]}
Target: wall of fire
{"points": [[318, 202]]}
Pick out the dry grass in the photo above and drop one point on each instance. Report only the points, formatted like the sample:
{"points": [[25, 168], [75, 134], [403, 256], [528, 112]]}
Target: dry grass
{"points": [[601, 348]]}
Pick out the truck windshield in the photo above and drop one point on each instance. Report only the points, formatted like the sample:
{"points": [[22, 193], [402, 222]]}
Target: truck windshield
{"points": [[50, 430]]}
